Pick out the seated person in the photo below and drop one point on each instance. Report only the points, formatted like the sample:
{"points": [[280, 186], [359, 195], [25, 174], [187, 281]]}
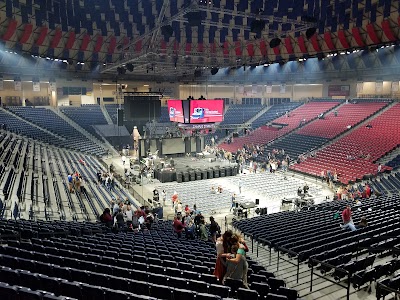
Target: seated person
{"points": [[219, 189], [305, 188], [213, 190], [363, 223]]}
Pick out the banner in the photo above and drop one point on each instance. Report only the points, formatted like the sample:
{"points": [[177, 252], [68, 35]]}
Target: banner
{"points": [[360, 87], [1, 83], [379, 86], [269, 89], [36, 85], [53, 86], [255, 89], [395, 86], [259, 89], [282, 89], [339, 90], [17, 85]]}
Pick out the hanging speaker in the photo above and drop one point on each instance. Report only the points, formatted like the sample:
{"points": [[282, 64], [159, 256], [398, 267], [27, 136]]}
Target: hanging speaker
{"points": [[310, 32], [120, 117], [257, 26], [275, 42]]}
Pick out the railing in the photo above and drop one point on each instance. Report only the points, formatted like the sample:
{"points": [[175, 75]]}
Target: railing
{"points": [[381, 286], [315, 262]]}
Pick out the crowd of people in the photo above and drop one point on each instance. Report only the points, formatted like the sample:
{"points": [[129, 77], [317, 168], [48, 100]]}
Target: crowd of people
{"points": [[350, 193], [76, 183], [121, 217], [106, 179]]}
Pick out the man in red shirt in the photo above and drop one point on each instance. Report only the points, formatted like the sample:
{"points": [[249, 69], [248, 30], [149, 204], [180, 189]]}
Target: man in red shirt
{"points": [[178, 226], [367, 191], [347, 221], [346, 215]]}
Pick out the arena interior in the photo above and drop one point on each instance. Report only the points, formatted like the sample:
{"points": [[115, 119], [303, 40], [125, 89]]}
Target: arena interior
{"points": [[276, 119]]}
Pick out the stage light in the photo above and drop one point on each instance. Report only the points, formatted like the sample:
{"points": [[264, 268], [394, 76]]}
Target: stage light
{"points": [[130, 67], [121, 71], [214, 71]]}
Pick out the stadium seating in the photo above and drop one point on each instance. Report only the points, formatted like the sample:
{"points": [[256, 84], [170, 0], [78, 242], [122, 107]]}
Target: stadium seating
{"points": [[49, 120], [284, 125], [86, 116], [348, 114], [394, 163], [236, 114], [274, 112], [314, 236], [90, 263], [35, 175], [295, 145], [240, 113], [344, 155], [112, 111]]}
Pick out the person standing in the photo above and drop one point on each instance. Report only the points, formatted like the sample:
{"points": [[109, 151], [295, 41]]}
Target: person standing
{"points": [[129, 216], [164, 196], [70, 183], [233, 200], [214, 229], [203, 230], [123, 158]]}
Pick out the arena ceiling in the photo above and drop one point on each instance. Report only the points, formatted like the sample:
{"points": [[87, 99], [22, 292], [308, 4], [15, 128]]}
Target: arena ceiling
{"points": [[172, 39]]}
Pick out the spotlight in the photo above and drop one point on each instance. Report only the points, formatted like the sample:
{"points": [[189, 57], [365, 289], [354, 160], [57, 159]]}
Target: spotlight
{"points": [[121, 71], [129, 67], [214, 71]]}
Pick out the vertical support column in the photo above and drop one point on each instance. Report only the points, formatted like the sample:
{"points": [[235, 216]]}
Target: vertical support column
{"points": [[159, 146], [188, 146], [146, 147], [198, 144]]}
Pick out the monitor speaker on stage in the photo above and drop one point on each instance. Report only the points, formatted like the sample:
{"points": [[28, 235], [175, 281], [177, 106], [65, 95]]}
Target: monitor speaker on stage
{"points": [[257, 201], [120, 117]]}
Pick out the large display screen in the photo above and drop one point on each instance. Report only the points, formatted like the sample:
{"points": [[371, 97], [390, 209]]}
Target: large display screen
{"points": [[206, 111], [175, 110]]}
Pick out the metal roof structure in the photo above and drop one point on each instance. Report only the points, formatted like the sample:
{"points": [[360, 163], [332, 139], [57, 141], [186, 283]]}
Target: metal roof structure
{"points": [[169, 39]]}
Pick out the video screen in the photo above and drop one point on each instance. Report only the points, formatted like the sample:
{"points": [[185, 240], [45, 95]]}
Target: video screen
{"points": [[175, 111], [206, 111]]}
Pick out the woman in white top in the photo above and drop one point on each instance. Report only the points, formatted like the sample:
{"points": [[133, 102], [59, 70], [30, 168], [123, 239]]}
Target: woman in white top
{"points": [[129, 215], [164, 196]]}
